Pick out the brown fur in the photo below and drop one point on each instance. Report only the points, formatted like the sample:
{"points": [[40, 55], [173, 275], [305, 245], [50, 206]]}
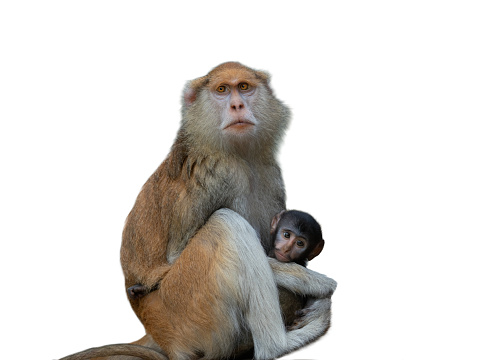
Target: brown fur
{"points": [[209, 290], [206, 170], [187, 313], [127, 351]]}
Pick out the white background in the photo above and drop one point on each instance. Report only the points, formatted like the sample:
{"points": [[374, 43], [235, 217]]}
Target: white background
{"points": [[382, 150]]}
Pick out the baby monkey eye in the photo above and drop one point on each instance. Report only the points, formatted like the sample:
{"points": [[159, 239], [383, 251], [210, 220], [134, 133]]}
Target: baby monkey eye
{"points": [[300, 243], [221, 88], [286, 235], [243, 86]]}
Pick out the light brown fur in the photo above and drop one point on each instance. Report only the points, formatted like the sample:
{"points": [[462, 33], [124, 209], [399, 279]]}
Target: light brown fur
{"points": [[206, 170], [189, 312], [143, 351], [201, 174], [198, 234]]}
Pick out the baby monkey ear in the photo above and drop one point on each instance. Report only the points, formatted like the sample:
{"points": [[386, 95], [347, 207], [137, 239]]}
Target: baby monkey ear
{"points": [[275, 221], [316, 251]]}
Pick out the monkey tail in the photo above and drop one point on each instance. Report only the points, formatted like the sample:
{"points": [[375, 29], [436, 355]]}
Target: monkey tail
{"points": [[139, 351]]}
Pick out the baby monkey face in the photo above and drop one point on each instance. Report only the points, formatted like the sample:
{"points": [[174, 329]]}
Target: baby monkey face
{"points": [[291, 246], [297, 237]]}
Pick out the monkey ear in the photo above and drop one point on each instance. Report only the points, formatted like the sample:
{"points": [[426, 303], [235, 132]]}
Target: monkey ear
{"points": [[189, 96], [262, 75], [275, 221], [317, 250], [191, 90]]}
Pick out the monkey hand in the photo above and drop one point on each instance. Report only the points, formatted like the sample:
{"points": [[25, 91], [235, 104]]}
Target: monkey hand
{"points": [[303, 314], [299, 322], [318, 308]]}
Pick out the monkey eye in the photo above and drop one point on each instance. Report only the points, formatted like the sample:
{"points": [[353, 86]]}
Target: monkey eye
{"points": [[243, 86], [300, 243], [221, 89], [286, 234]]}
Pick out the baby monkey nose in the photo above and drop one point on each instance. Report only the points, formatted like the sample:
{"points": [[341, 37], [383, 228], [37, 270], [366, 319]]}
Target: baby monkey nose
{"points": [[288, 246]]}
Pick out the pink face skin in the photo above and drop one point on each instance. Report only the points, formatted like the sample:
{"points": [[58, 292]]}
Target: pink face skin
{"points": [[289, 247], [235, 94]]}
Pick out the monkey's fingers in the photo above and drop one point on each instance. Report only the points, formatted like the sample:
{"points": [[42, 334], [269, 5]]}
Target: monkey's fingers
{"points": [[297, 324], [301, 318]]}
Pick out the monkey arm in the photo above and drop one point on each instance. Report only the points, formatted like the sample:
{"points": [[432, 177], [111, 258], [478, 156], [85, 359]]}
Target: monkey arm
{"points": [[314, 320], [169, 210], [301, 280]]}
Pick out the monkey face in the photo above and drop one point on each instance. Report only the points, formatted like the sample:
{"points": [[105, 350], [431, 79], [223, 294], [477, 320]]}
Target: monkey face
{"points": [[290, 246], [233, 109], [297, 236], [235, 101], [234, 93]]}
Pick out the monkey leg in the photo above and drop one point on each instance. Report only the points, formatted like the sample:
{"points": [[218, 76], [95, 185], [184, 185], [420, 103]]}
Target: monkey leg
{"points": [[218, 294], [315, 320]]}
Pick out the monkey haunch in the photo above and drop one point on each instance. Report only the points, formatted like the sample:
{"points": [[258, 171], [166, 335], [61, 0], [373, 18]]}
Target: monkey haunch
{"points": [[199, 229]]}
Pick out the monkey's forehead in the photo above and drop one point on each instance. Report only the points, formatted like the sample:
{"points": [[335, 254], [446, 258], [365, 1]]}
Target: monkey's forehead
{"points": [[233, 73], [233, 77]]}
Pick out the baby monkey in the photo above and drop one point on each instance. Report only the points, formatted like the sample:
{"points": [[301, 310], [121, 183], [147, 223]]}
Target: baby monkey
{"points": [[297, 237]]}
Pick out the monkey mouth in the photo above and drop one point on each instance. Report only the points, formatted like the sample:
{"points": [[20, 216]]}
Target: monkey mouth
{"points": [[239, 124], [281, 257]]}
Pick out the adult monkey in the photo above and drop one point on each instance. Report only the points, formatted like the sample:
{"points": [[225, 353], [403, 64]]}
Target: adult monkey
{"points": [[195, 232]]}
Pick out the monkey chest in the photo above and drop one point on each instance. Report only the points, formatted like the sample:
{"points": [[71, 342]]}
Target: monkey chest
{"points": [[258, 200]]}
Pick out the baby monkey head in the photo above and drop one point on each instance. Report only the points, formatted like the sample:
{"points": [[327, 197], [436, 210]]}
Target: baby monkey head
{"points": [[297, 237]]}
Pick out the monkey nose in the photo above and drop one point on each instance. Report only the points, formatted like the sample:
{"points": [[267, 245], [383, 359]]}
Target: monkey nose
{"points": [[237, 106], [288, 246], [236, 102]]}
